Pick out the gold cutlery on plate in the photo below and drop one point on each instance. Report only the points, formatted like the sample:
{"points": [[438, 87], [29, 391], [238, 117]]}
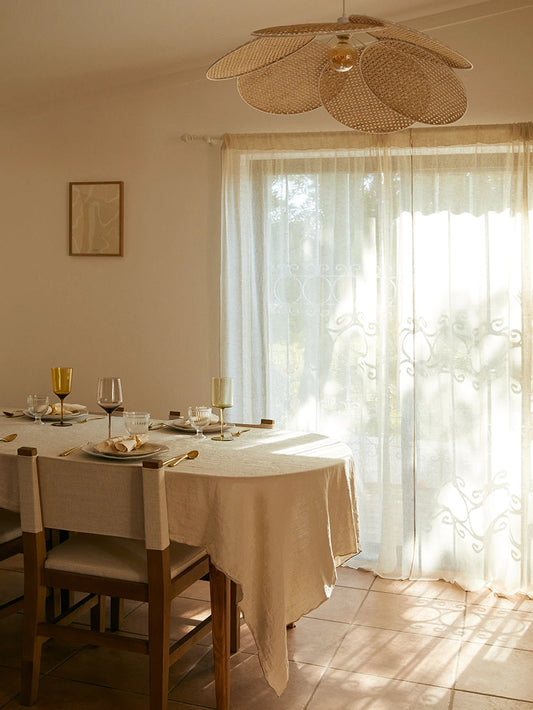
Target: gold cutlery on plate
{"points": [[156, 425], [9, 437], [174, 461], [238, 433]]}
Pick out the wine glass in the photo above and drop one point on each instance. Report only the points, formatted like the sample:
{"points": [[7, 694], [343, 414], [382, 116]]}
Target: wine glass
{"points": [[222, 397], [62, 383], [199, 418], [136, 423], [109, 396], [37, 406]]}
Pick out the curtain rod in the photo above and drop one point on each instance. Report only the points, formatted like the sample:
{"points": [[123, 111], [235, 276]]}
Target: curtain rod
{"points": [[210, 140]]}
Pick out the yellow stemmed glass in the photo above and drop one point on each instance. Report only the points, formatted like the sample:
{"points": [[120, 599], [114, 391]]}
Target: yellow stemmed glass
{"points": [[222, 397], [62, 383]]}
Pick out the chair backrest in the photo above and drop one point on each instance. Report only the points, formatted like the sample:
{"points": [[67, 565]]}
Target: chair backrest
{"points": [[102, 498]]}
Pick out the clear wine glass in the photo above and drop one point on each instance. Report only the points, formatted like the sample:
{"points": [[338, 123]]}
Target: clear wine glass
{"points": [[136, 423], [109, 396], [62, 383], [199, 418], [222, 397], [37, 406]]}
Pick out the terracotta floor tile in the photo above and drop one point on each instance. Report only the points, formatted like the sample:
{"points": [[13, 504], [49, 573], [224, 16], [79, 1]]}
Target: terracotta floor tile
{"points": [[495, 670], [499, 626], [60, 694], [121, 670], [433, 589], [473, 701], [358, 578], [341, 606], [249, 688], [485, 597], [394, 654], [419, 615], [315, 640], [341, 690]]}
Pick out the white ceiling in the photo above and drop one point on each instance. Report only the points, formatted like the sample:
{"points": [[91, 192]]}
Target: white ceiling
{"points": [[54, 48]]}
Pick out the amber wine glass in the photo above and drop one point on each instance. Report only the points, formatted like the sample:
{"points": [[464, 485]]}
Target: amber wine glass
{"points": [[222, 397], [109, 396], [62, 383]]}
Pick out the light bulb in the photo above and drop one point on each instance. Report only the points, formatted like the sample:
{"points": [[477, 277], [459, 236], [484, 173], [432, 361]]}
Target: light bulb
{"points": [[342, 56]]}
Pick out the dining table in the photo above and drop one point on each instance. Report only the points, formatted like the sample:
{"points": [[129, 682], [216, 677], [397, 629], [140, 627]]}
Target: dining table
{"points": [[276, 511]]}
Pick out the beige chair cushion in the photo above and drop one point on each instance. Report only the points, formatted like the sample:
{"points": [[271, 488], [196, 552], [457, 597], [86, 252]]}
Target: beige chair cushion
{"points": [[114, 557], [9, 526]]}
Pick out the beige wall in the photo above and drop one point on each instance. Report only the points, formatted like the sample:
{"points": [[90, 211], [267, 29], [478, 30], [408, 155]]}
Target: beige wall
{"points": [[152, 316]]}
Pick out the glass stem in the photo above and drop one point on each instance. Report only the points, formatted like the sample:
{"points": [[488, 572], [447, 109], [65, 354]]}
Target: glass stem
{"points": [[109, 426], [222, 423], [62, 411]]}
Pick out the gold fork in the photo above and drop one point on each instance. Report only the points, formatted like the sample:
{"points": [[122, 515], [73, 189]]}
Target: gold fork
{"points": [[242, 431], [9, 437]]}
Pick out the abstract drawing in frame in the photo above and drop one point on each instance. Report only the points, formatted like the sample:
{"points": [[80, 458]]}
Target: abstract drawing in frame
{"points": [[96, 218]]}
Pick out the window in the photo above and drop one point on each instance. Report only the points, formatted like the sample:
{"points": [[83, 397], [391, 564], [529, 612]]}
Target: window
{"points": [[382, 294]]}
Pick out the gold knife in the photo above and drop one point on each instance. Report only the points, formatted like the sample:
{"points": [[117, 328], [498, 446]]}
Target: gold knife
{"points": [[69, 451]]}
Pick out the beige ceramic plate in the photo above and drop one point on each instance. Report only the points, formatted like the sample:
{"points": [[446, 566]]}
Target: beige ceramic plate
{"points": [[147, 449]]}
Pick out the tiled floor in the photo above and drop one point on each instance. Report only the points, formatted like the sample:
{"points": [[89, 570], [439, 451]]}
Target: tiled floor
{"points": [[375, 645]]}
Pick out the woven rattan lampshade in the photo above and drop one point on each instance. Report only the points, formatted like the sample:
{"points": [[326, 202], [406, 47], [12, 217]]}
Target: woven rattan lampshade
{"points": [[369, 74]]}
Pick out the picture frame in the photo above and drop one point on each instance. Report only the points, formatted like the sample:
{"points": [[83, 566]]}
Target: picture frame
{"points": [[96, 218]]}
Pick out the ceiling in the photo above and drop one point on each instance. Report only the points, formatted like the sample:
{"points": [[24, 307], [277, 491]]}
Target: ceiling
{"points": [[51, 49]]}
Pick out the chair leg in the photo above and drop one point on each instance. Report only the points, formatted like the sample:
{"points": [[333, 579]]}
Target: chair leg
{"points": [[34, 613], [117, 613], [98, 615], [235, 623], [221, 613], [158, 628]]}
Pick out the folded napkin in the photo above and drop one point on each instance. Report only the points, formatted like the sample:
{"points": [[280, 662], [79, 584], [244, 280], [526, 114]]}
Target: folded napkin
{"points": [[55, 408], [186, 422], [121, 443]]}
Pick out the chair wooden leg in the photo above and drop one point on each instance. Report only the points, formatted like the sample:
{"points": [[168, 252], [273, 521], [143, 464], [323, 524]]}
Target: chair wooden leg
{"points": [[235, 623], [117, 613], [98, 615], [220, 610], [34, 613], [158, 629]]}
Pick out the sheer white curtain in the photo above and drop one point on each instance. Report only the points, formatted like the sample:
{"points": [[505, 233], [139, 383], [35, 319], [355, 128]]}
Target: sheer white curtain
{"points": [[378, 289]]}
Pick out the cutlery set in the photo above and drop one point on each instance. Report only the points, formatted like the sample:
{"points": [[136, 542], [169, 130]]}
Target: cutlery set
{"points": [[9, 437]]}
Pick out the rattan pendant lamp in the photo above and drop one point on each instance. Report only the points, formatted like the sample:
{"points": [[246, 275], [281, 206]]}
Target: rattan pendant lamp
{"points": [[371, 75]]}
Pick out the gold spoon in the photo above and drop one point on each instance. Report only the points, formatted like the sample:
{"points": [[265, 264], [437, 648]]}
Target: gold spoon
{"points": [[176, 459], [9, 437]]}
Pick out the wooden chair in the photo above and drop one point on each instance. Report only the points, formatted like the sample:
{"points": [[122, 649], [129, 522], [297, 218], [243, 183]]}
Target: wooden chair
{"points": [[118, 547], [10, 545], [10, 531]]}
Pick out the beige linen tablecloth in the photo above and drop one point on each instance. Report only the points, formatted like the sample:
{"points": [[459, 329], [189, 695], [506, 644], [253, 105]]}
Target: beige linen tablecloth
{"points": [[276, 511]]}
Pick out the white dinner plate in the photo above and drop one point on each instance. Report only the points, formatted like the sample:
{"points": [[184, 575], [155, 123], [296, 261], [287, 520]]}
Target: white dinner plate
{"points": [[188, 429], [147, 449], [57, 417]]}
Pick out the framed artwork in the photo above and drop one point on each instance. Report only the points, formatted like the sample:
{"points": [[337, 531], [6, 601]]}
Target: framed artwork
{"points": [[96, 218]]}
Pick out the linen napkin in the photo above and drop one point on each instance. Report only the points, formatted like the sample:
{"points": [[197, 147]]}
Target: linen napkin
{"points": [[122, 444], [55, 408]]}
